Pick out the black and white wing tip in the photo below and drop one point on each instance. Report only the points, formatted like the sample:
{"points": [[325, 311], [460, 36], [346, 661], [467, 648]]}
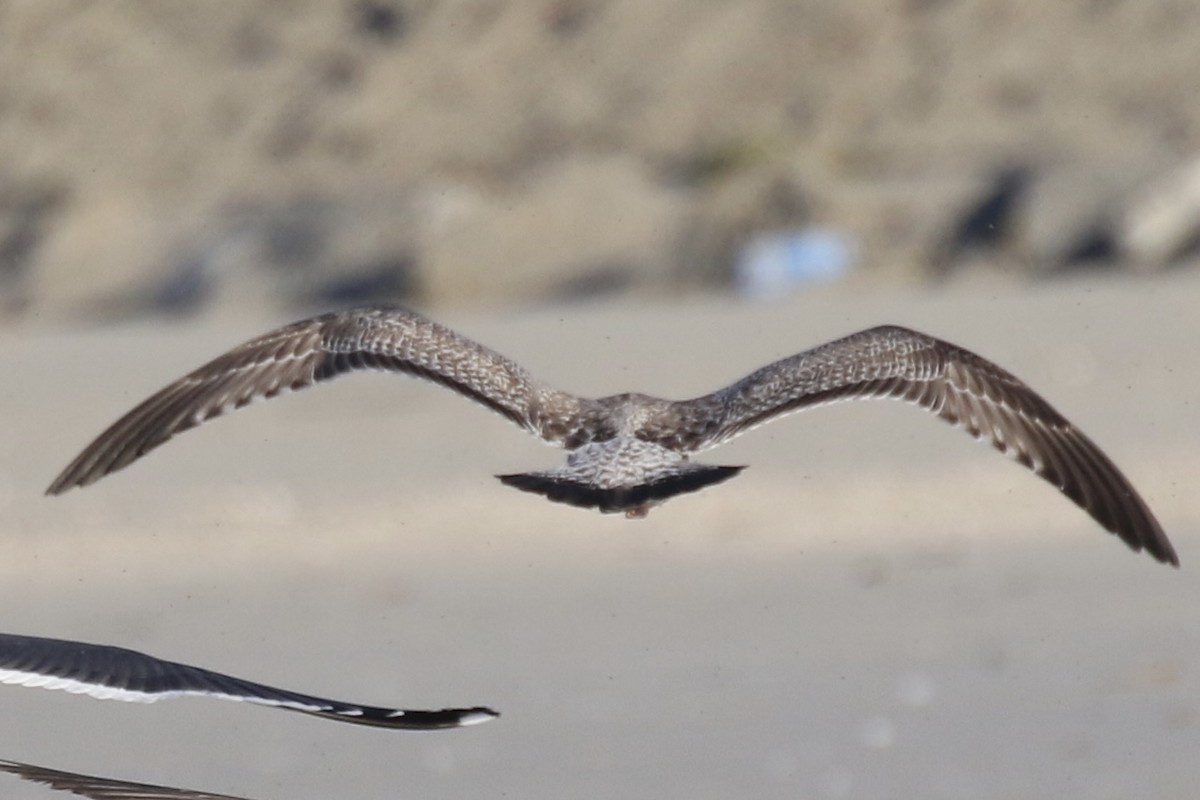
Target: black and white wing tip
{"points": [[114, 673], [104, 788]]}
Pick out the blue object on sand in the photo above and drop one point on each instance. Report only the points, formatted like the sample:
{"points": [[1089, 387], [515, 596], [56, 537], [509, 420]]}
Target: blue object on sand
{"points": [[770, 265]]}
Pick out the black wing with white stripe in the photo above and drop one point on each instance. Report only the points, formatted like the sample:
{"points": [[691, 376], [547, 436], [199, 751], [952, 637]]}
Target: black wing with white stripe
{"points": [[114, 673]]}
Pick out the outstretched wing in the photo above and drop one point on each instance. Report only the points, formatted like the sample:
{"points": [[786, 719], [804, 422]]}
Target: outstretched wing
{"points": [[960, 387], [114, 673], [313, 350], [104, 788]]}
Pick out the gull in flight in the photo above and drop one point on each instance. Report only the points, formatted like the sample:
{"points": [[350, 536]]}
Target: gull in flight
{"points": [[114, 673], [629, 452]]}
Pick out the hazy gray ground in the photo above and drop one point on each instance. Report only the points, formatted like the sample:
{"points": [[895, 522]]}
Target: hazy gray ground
{"points": [[878, 608]]}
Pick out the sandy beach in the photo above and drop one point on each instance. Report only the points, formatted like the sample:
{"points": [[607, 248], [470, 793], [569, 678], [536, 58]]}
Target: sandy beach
{"points": [[877, 608]]}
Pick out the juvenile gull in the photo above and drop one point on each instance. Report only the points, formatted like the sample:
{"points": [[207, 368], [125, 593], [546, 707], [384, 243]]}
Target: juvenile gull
{"points": [[114, 673], [629, 452]]}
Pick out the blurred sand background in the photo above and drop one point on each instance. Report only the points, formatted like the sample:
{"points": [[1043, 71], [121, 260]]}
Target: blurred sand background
{"points": [[877, 608]]}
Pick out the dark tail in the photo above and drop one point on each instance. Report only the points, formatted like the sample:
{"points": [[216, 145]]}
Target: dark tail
{"points": [[560, 488]]}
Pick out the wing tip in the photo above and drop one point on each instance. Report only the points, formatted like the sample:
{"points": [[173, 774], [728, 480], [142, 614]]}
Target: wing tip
{"points": [[75, 476], [1160, 549], [1142, 534], [414, 719], [59, 486], [477, 716]]}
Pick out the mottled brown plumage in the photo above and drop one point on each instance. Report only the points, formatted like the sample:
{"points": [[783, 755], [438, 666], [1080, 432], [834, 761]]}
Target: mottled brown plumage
{"points": [[629, 452]]}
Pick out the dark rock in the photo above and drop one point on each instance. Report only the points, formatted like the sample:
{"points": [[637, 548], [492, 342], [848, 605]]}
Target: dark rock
{"points": [[26, 214], [987, 221], [383, 22]]}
